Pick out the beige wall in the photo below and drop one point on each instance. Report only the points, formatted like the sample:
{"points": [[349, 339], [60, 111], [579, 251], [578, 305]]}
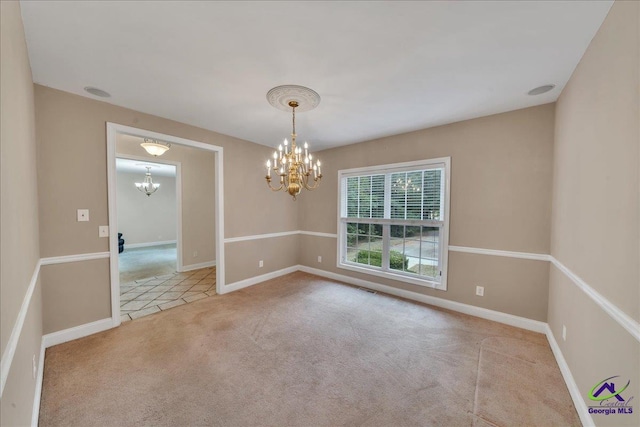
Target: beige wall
{"points": [[501, 173], [198, 195], [75, 293], [142, 218], [18, 216], [276, 253], [71, 138], [595, 222]]}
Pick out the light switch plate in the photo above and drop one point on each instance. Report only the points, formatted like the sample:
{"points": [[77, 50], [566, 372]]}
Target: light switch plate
{"points": [[83, 215], [103, 231]]}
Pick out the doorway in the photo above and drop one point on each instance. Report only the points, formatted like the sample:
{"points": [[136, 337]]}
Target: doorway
{"points": [[149, 216], [199, 248]]}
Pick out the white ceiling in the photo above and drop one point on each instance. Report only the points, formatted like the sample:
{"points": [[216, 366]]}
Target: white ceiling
{"points": [[381, 68], [139, 167]]}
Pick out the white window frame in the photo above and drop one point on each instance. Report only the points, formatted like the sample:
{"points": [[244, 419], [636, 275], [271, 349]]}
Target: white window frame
{"points": [[343, 220]]}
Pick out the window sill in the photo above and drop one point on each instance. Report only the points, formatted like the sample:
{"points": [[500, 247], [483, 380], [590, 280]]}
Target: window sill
{"points": [[398, 277]]}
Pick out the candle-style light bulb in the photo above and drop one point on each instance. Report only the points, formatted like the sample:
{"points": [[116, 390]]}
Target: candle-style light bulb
{"points": [[269, 168], [319, 170]]}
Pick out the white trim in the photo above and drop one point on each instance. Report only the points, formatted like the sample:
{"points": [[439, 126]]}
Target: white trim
{"points": [[389, 168], [191, 267], [279, 234], [149, 244], [261, 236], [497, 316], [35, 413], [390, 274], [574, 391], [219, 212], [258, 279], [113, 130], [629, 324], [76, 332], [318, 234], [114, 269], [12, 344], [73, 258], [495, 252]]}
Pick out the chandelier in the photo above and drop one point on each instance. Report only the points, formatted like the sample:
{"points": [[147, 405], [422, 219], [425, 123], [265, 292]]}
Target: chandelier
{"points": [[294, 167], [154, 147], [147, 187]]}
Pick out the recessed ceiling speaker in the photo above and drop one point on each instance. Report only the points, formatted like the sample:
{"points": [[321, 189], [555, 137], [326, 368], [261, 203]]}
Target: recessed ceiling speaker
{"points": [[541, 89], [97, 92]]}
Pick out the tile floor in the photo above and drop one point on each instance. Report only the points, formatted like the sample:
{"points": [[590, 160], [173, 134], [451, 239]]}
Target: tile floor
{"points": [[151, 295]]}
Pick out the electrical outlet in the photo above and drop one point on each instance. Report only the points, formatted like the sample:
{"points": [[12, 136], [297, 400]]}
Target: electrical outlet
{"points": [[83, 215], [34, 367], [319, 258], [103, 231], [195, 254], [564, 333], [480, 291], [261, 263]]}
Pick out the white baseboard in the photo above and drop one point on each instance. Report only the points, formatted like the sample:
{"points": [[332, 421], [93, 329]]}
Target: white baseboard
{"points": [[192, 267], [497, 316], [258, 279], [76, 332], [148, 244], [35, 414], [574, 391]]}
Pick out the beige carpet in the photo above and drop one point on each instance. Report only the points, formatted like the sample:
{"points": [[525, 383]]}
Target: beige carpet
{"points": [[304, 351]]}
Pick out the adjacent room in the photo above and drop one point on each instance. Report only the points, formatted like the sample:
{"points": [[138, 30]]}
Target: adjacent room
{"points": [[373, 213], [165, 225]]}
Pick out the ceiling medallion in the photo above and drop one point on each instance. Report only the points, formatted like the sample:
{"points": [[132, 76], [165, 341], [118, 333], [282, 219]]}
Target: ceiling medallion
{"points": [[281, 96]]}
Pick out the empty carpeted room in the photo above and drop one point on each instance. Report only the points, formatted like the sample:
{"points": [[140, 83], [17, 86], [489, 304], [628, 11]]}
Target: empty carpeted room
{"points": [[403, 214]]}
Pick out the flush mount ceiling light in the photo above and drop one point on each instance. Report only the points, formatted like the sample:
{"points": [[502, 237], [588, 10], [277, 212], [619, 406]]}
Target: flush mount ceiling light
{"points": [[541, 89], [294, 165], [154, 147], [147, 186], [97, 92]]}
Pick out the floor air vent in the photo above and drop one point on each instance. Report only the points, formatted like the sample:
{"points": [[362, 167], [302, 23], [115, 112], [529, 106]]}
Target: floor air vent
{"points": [[368, 290]]}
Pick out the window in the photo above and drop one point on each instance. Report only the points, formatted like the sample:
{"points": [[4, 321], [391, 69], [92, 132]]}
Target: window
{"points": [[394, 221]]}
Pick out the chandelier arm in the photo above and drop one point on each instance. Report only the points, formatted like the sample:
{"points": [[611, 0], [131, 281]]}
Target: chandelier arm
{"points": [[305, 183], [274, 188]]}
